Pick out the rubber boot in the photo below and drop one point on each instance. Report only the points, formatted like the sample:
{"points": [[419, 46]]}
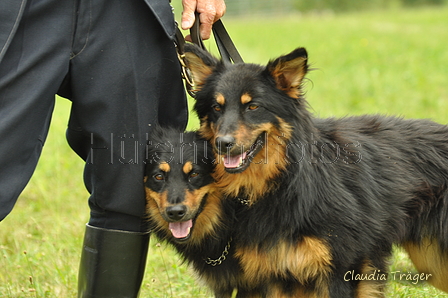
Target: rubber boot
{"points": [[112, 263]]}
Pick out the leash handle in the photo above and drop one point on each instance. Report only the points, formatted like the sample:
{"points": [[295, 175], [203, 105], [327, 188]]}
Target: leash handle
{"points": [[225, 45], [195, 33]]}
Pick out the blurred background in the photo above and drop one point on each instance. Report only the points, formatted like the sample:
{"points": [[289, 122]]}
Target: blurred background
{"points": [[266, 7]]}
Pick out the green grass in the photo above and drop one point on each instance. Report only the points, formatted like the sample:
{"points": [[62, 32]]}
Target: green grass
{"points": [[389, 62]]}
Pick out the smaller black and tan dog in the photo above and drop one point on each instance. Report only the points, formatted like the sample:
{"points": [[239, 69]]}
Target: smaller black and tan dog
{"points": [[186, 208], [179, 186]]}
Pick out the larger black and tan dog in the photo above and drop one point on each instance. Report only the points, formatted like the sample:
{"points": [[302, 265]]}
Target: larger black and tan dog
{"points": [[319, 202]]}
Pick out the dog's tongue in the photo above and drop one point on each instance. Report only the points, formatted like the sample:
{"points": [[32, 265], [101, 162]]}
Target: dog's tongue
{"points": [[233, 161], [181, 229]]}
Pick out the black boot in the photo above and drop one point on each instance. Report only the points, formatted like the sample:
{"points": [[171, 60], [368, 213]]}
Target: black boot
{"points": [[112, 263]]}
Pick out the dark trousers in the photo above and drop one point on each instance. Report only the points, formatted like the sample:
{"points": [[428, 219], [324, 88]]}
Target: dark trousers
{"points": [[113, 60]]}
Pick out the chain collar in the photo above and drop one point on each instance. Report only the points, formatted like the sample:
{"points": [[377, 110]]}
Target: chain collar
{"points": [[222, 258]]}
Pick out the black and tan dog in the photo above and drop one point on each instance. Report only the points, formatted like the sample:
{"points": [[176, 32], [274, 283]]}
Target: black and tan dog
{"points": [[180, 190], [318, 202], [186, 207]]}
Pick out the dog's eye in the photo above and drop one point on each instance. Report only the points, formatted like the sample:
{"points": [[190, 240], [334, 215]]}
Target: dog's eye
{"points": [[159, 177], [252, 107], [217, 108], [194, 174]]}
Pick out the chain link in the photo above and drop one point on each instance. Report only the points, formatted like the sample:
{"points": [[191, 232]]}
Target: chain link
{"points": [[222, 258], [242, 201]]}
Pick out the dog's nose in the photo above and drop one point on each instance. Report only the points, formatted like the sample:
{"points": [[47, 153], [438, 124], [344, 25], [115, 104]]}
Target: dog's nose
{"points": [[224, 143], [176, 212]]}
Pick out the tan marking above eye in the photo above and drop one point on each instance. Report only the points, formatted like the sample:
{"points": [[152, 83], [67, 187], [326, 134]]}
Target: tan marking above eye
{"points": [[188, 166], [165, 167], [220, 99], [246, 98]]}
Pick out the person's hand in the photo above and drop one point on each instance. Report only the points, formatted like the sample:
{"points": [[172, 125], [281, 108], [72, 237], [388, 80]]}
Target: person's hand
{"points": [[209, 12]]}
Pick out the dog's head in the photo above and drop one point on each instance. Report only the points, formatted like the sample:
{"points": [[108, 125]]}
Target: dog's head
{"points": [[248, 113], [246, 110], [179, 187]]}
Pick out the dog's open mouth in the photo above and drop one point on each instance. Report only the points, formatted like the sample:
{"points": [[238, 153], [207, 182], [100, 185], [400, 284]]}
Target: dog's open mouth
{"points": [[239, 163], [181, 230]]}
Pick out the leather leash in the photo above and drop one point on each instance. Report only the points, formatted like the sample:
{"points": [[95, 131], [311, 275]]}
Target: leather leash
{"points": [[225, 45]]}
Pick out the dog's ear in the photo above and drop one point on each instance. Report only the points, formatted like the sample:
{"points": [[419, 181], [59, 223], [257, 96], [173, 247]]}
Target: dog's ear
{"points": [[200, 63], [289, 70]]}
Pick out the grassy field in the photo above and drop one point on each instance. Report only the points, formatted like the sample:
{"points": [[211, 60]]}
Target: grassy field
{"points": [[391, 62]]}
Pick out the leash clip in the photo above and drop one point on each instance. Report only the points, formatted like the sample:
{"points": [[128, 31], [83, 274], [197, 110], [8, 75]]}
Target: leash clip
{"points": [[186, 75], [179, 42]]}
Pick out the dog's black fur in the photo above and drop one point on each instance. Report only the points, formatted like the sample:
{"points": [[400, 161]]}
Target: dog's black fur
{"points": [[322, 197]]}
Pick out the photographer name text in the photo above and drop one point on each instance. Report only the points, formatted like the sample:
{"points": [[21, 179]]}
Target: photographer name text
{"points": [[414, 278]]}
